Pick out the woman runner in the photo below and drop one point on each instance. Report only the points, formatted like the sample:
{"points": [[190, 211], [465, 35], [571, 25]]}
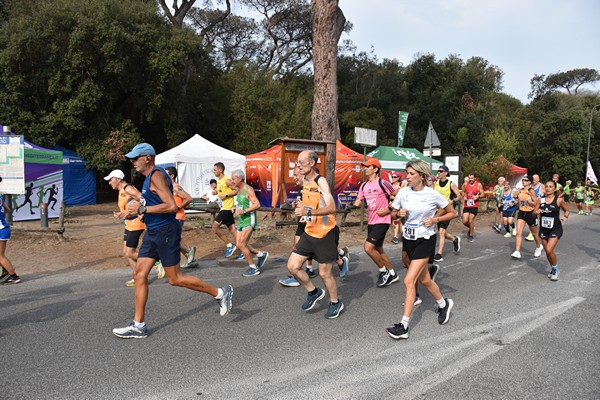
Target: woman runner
{"points": [[551, 225]]}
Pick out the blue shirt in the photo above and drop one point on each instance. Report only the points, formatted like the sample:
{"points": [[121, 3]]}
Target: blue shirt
{"points": [[149, 198], [3, 223]]}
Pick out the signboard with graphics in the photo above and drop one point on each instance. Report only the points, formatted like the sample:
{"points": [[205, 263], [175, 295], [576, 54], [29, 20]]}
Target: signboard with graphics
{"points": [[12, 164]]}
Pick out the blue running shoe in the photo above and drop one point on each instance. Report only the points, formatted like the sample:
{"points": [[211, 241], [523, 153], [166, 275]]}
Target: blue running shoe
{"points": [[131, 332], [289, 282], [230, 249], [334, 309], [311, 299], [262, 259], [240, 257], [344, 271], [226, 301], [251, 272]]}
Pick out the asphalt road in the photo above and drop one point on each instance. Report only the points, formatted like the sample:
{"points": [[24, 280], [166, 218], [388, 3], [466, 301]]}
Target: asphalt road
{"points": [[513, 333]]}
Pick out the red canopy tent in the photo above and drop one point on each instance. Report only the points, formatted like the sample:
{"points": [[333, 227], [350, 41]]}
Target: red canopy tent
{"points": [[266, 173]]}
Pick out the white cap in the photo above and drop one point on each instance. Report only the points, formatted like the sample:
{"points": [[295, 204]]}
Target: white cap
{"points": [[117, 173]]}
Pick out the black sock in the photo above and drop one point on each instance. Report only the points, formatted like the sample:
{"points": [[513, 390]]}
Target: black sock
{"points": [[507, 227], [313, 292]]}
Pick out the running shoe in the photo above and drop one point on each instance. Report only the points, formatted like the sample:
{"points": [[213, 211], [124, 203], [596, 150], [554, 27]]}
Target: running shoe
{"points": [[438, 257], [4, 273], [191, 255], [507, 235], [514, 231], [445, 312], [160, 271], [382, 278], [470, 238], [230, 250], [12, 279], [553, 274], [456, 243], [334, 309], [226, 301], [516, 254], [398, 331], [346, 253], [497, 228], [344, 271], [391, 279], [538, 251], [130, 283], [289, 282], [131, 332], [395, 240], [311, 273], [311, 299], [433, 271], [240, 257], [262, 260], [251, 272], [529, 237], [418, 300]]}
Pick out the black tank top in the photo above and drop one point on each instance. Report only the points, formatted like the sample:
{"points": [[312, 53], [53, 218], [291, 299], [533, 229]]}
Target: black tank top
{"points": [[550, 216]]}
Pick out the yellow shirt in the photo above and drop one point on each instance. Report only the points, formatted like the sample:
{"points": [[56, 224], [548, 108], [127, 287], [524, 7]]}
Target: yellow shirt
{"points": [[222, 188]]}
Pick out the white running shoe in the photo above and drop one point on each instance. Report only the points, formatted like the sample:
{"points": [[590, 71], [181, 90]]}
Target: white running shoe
{"points": [[529, 237], [514, 231], [538, 251], [507, 235], [516, 254], [160, 271]]}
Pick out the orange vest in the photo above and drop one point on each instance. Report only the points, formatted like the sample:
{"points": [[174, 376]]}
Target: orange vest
{"points": [[179, 201], [320, 225], [134, 224]]}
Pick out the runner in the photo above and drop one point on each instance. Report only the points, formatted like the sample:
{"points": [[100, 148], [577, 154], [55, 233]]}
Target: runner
{"points": [[567, 190], [589, 200], [377, 192], [450, 191], [246, 204], [134, 226], [540, 191], [161, 241], [417, 204], [559, 187], [211, 195], [498, 189], [509, 208], [8, 275], [182, 199], [528, 205], [225, 215], [579, 196], [320, 238], [396, 224], [551, 225], [472, 191]]}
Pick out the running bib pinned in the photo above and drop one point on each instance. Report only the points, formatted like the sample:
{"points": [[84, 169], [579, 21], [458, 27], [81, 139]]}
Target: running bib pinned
{"points": [[410, 231], [548, 222], [470, 203]]}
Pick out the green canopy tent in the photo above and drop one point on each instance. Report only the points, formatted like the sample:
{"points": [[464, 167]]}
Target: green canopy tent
{"points": [[396, 158]]}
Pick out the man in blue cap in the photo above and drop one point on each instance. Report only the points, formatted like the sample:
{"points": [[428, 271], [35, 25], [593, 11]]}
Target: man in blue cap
{"points": [[161, 242]]}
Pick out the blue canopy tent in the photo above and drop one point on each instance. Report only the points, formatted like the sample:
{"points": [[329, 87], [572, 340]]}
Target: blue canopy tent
{"points": [[79, 181]]}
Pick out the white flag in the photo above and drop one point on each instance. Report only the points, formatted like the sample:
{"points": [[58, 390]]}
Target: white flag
{"points": [[590, 173]]}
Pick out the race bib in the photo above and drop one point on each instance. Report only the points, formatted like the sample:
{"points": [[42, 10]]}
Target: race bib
{"points": [[506, 203], [470, 203], [410, 231], [547, 222]]}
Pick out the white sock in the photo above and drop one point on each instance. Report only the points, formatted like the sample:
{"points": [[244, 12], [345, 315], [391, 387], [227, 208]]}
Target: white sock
{"points": [[405, 321], [382, 269], [219, 295], [341, 252], [139, 324], [441, 303], [392, 272], [252, 266], [260, 253]]}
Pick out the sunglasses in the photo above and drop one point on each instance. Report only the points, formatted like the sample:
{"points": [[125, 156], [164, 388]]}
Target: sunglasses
{"points": [[441, 170], [525, 180], [394, 177]]}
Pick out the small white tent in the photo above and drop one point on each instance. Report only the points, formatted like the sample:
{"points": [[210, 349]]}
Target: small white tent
{"points": [[194, 160]]}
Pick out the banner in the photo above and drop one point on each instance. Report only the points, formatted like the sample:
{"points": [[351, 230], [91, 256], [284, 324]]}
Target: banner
{"points": [[402, 120], [590, 173]]}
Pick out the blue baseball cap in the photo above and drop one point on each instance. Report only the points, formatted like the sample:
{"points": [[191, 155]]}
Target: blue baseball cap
{"points": [[141, 149]]}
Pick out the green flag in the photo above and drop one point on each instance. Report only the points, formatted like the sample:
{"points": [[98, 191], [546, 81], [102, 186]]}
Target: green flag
{"points": [[402, 120]]}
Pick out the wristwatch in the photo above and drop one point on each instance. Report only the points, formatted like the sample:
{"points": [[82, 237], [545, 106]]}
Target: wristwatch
{"points": [[142, 210]]}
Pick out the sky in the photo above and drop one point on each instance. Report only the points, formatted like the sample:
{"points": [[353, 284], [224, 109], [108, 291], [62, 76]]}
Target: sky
{"points": [[521, 37]]}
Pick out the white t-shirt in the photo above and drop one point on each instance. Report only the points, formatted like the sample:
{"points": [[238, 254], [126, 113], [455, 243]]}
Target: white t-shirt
{"points": [[420, 205]]}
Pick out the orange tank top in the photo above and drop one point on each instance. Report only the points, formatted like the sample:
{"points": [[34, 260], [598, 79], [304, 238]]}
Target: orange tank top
{"points": [[134, 224], [524, 195], [179, 201], [320, 225]]}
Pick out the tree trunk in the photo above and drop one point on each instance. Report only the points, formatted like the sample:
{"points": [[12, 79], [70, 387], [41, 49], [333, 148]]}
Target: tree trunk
{"points": [[328, 23]]}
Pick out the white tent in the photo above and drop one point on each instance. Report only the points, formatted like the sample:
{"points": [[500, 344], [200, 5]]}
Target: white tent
{"points": [[194, 160]]}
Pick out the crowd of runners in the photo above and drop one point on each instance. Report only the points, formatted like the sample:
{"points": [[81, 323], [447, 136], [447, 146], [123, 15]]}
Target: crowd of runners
{"points": [[418, 210]]}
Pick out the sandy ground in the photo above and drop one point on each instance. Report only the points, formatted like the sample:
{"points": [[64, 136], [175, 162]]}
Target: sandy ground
{"points": [[93, 240]]}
